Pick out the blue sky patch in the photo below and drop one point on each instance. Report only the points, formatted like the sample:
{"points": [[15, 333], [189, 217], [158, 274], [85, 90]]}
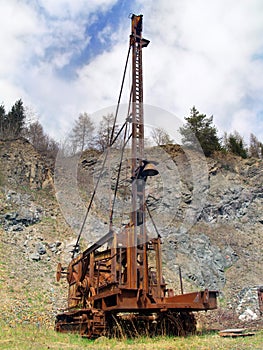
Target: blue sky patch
{"points": [[101, 33]]}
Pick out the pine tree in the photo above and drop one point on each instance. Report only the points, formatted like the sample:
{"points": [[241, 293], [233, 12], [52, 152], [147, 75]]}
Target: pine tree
{"points": [[235, 144], [16, 119], [12, 124], [199, 126], [2, 121]]}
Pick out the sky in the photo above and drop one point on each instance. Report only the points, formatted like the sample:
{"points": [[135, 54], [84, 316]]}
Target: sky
{"points": [[64, 57]]}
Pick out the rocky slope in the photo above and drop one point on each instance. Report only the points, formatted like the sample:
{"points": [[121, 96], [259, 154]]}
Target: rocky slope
{"points": [[208, 212], [33, 236]]}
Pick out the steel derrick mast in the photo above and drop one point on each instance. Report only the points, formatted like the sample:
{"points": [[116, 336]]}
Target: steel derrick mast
{"points": [[136, 250]]}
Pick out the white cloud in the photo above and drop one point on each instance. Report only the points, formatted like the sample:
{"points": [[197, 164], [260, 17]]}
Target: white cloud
{"points": [[71, 9], [204, 56], [203, 53], [17, 21], [242, 121]]}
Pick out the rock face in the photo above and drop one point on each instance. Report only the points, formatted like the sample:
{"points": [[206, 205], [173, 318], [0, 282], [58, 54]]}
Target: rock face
{"points": [[228, 229], [209, 214], [21, 164], [27, 212], [202, 263], [248, 304]]}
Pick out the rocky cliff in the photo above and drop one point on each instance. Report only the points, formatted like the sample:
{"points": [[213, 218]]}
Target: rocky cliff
{"points": [[208, 212]]}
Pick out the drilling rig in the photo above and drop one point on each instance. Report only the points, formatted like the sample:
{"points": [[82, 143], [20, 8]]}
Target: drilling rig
{"points": [[112, 290]]}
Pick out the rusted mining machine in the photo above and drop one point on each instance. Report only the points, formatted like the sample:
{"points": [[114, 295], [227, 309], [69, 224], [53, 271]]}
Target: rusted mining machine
{"points": [[116, 286]]}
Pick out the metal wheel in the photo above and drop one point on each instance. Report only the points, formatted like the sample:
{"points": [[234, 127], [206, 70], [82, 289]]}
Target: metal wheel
{"points": [[170, 324]]}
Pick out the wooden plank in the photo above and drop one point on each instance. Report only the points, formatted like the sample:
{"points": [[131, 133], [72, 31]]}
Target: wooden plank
{"points": [[235, 332]]}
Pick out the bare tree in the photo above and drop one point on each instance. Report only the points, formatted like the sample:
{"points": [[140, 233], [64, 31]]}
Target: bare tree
{"points": [[255, 147], [81, 136], [103, 137], [34, 133], [160, 136]]}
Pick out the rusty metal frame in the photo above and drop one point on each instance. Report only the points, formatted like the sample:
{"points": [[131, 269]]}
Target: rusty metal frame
{"points": [[106, 285]]}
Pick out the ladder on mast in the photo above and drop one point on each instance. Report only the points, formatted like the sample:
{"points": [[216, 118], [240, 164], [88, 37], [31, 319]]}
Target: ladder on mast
{"points": [[136, 250]]}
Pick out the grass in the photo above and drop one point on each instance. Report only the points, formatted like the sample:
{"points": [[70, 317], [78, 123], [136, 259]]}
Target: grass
{"points": [[26, 337]]}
